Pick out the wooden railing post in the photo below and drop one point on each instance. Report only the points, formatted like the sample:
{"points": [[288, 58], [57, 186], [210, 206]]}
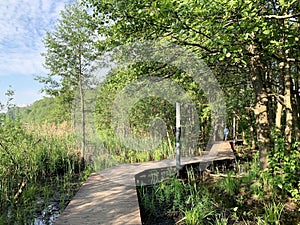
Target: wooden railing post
{"points": [[233, 130], [178, 133]]}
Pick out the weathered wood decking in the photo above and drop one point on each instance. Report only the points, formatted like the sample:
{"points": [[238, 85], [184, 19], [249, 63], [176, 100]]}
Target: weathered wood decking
{"points": [[109, 196]]}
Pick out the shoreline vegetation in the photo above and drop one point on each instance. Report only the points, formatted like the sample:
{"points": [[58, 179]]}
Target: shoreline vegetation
{"points": [[249, 48], [226, 193], [40, 171]]}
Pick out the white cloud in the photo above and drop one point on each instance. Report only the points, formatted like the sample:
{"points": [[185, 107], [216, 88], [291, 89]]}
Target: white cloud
{"points": [[26, 63], [22, 26]]}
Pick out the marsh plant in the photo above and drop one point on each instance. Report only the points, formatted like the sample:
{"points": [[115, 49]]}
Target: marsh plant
{"points": [[110, 151], [36, 168], [233, 197]]}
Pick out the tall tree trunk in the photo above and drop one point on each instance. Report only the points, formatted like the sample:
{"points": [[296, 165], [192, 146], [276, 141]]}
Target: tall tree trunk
{"points": [[82, 106], [280, 103], [261, 107], [288, 106], [296, 119], [296, 104], [279, 109], [261, 114], [287, 92]]}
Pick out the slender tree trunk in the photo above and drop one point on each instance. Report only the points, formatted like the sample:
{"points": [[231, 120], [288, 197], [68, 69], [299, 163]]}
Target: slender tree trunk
{"points": [[296, 104], [279, 109], [287, 94], [296, 120], [271, 102], [288, 107], [237, 129], [252, 135], [82, 106], [280, 104], [278, 124]]}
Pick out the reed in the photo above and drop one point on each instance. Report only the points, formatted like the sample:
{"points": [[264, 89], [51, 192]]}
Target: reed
{"points": [[36, 162], [110, 145]]}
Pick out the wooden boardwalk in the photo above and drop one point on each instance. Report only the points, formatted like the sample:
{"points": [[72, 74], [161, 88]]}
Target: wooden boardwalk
{"points": [[109, 196]]}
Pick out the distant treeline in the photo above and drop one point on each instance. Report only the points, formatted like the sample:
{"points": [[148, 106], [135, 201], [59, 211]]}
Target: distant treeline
{"points": [[44, 110]]}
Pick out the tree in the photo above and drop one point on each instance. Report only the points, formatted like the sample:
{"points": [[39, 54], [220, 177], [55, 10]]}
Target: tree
{"points": [[249, 44], [69, 56]]}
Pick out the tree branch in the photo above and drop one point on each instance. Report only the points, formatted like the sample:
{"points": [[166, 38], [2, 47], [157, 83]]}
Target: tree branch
{"points": [[195, 44], [23, 184], [191, 28], [283, 17], [293, 59], [279, 98]]}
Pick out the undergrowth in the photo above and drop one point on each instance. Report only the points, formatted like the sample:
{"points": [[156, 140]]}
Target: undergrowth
{"points": [[244, 195], [35, 169]]}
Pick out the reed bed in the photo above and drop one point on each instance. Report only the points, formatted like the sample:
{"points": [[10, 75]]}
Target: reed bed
{"points": [[37, 164], [235, 196]]}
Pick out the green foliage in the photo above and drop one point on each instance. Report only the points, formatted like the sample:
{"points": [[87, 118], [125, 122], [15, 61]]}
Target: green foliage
{"points": [[272, 214], [119, 153], [148, 109], [248, 45], [284, 169], [233, 198], [194, 201], [33, 166], [198, 214], [230, 185], [222, 220], [70, 52], [6, 107], [46, 110]]}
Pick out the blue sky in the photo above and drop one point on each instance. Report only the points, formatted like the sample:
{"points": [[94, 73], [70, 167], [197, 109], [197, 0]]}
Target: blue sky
{"points": [[23, 24]]}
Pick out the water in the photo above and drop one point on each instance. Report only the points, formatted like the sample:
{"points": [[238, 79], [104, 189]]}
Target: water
{"points": [[45, 217], [48, 215]]}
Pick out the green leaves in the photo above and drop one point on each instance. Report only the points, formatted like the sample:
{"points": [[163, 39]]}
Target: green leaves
{"points": [[282, 2], [266, 32], [70, 50], [244, 42]]}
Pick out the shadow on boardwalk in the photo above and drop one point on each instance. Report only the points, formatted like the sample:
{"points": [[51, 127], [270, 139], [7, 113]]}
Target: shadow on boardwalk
{"points": [[109, 196]]}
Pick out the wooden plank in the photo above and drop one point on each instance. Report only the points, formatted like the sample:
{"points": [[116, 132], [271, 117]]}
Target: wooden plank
{"points": [[109, 196], [101, 201]]}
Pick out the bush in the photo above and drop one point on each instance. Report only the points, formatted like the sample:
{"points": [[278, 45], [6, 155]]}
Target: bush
{"points": [[284, 168]]}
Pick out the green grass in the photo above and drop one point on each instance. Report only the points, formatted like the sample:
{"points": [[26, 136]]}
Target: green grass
{"points": [[36, 167], [112, 152], [230, 198]]}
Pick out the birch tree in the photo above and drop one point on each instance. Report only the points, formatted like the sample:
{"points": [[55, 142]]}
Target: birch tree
{"points": [[70, 51]]}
